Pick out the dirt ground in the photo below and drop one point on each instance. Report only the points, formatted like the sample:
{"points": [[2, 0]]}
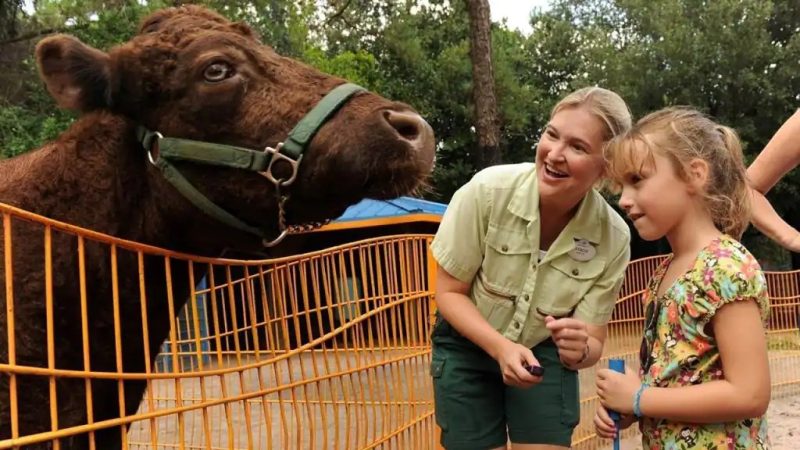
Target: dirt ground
{"points": [[347, 407], [783, 418]]}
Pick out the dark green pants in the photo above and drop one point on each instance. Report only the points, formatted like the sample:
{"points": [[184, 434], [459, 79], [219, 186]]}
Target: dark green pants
{"points": [[477, 411]]}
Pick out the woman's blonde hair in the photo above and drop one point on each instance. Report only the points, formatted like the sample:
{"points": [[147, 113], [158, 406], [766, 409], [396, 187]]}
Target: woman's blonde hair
{"points": [[681, 135], [607, 105]]}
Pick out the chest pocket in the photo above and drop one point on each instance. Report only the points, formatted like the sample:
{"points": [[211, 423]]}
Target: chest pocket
{"points": [[506, 258], [566, 282]]}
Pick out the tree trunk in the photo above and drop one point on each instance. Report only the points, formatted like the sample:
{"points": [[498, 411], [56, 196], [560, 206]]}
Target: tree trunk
{"points": [[487, 123], [9, 11]]}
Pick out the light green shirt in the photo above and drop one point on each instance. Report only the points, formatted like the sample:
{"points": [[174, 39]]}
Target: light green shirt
{"points": [[489, 237]]}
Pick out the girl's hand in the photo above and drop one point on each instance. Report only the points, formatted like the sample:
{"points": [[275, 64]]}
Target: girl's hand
{"points": [[511, 357], [616, 390], [604, 426], [571, 337]]}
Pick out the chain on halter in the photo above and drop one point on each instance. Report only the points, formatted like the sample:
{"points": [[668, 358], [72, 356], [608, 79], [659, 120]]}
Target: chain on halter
{"points": [[283, 228]]}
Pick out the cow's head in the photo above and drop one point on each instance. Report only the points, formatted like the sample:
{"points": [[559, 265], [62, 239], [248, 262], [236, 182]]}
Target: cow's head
{"points": [[192, 74]]}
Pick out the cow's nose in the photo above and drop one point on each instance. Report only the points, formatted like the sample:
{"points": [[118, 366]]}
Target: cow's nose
{"points": [[414, 129]]}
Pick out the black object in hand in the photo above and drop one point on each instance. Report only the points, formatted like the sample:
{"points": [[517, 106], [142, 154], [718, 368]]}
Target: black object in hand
{"points": [[536, 371]]}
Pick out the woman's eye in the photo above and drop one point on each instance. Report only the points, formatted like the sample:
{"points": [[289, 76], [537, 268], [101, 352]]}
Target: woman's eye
{"points": [[217, 72]]}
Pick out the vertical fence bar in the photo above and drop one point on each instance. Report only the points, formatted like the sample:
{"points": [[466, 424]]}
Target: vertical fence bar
{"points": [[51, 350]]}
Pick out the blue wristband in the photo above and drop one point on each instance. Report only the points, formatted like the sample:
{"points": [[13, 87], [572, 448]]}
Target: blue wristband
{"points": [[637, 410]]}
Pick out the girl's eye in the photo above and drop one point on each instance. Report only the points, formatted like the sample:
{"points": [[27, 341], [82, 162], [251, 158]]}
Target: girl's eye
{"points": [[550, 133], [217, 72], [632, 179]]}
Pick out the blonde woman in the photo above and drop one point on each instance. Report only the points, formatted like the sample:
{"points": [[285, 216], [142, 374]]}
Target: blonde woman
{"points": [[530, 261]]}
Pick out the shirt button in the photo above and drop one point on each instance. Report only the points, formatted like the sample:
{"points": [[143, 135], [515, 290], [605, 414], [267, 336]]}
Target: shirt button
{"points": [[525, 297], [575, 272], [504, 248], [516, 325]]}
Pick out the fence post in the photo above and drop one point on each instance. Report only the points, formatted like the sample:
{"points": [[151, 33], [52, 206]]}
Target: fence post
{"points": [[431, 264]]}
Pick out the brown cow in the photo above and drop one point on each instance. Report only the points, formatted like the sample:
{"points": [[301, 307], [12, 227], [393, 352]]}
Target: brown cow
{"points": [[188, 74]]}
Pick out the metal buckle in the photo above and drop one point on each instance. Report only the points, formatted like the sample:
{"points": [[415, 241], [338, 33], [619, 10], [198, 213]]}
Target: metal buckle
{"points": [[159, 136], [276, 241], [278, 156]]}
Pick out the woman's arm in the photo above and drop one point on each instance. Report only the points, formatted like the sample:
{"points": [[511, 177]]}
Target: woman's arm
{"points": [[781, 155], [579, 344], [586, 332], [767, 220], [454, 305], [743, 393], [458, 310]]}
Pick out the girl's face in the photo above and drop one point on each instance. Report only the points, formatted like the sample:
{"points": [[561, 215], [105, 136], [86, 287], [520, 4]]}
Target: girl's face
{"points": [[569, 157], [655, 197]]}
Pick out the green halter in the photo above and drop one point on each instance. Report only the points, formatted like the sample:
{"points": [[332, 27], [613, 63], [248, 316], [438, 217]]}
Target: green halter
{"points": [[290, 151]]}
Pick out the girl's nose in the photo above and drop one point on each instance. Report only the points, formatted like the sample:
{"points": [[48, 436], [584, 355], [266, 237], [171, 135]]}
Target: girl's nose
{"points": [[626, 199]]}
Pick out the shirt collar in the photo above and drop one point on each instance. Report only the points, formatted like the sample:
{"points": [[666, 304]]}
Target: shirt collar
{"points": [[584, 225]]}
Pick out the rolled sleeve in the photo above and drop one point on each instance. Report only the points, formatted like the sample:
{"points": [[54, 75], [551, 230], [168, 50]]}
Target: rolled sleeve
{"points": [[598, 304], [458, 244]]}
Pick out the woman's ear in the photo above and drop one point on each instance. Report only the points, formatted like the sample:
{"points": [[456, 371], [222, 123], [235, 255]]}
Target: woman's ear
{"points": [[77, 76], [697, 171]]}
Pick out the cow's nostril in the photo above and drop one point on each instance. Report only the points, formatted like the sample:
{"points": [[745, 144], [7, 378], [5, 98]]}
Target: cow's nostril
{"points": [[415, 130], [406, 124]]}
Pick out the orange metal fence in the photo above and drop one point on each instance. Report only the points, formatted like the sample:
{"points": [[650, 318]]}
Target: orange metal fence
{"points": [[328, 350]]}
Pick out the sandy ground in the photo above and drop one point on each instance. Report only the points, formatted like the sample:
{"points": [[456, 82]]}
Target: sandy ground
{"points": [[348, 408], [784, 426]]}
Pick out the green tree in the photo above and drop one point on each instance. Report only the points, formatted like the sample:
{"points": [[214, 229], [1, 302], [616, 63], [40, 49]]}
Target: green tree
{"points": [[733, 59]]}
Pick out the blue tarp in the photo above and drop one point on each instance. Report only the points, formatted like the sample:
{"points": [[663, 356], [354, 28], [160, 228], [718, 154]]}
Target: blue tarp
{"points": [[401, 206]]}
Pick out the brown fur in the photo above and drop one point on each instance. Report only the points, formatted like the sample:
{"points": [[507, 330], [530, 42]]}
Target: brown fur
{"points": [[96, 175]]}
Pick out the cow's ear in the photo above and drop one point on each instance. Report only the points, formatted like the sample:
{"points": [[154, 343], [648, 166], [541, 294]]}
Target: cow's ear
{"points": [[76, 75]]}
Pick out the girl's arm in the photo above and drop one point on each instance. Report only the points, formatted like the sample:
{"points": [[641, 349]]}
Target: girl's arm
{"points": [[745, 391], [455, 306]]}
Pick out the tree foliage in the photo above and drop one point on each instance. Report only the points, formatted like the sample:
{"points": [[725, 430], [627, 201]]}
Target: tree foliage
{"points": [[734, 59]]}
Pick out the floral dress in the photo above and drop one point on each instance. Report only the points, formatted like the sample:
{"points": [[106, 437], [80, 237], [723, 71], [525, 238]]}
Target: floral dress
{"points": [[683, 354]]}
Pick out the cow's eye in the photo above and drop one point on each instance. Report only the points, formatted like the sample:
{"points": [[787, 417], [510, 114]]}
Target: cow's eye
{"points": [[217, 72]]}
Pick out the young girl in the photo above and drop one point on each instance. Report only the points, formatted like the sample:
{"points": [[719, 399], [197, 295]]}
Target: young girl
{"points": [[704, 378]]}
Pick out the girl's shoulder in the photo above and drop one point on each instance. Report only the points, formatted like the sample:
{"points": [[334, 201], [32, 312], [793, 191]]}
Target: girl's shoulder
{"points": [[726, 271], [723, 259]]}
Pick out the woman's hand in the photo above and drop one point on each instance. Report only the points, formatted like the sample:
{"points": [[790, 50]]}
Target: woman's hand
{"points": [[616, 390], [604, 426], [571, 337], [511, 357]]}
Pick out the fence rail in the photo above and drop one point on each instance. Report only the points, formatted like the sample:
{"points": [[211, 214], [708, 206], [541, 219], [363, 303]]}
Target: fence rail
{"points": [[328, 350]]}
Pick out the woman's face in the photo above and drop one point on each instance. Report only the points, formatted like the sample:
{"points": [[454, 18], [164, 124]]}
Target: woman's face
{"points": [[569, 157]]}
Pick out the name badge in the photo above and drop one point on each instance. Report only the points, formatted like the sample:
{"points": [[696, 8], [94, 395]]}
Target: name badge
{"points": [[583, 250]]}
